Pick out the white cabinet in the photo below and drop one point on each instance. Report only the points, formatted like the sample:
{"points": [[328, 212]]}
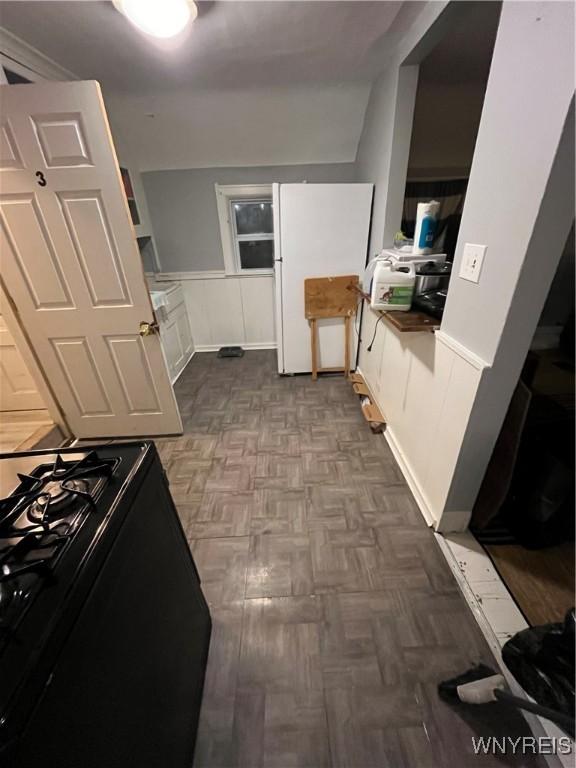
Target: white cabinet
{"points": [[175, 333], [183, 326]]}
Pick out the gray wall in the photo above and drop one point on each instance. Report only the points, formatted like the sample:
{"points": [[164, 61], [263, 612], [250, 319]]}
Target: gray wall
{"points": [[529, 91], [520, 204], [183, 211]]}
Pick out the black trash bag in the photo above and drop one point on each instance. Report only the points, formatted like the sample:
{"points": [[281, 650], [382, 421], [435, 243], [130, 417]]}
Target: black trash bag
{"points": [[542, 661]]}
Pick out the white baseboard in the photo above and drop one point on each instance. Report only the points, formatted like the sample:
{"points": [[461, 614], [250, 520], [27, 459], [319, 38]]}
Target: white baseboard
{"points": [[246, 346]]}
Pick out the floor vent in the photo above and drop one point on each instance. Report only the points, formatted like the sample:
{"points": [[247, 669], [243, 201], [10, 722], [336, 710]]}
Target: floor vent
{"points": [[230, 352]]}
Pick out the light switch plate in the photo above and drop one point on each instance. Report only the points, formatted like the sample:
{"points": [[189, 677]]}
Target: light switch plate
{"points": [[472, 259]]}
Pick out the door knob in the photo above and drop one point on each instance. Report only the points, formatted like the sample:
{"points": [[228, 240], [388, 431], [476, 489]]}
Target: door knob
{"points": [[147, 329]]}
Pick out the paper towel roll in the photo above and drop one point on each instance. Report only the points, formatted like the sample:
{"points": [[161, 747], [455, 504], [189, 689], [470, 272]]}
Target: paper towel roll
{"points": [[425, 230]]}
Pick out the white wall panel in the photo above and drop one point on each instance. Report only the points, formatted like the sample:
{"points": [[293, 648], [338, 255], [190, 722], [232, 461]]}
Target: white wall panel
{"points": [[367, 359], [393, 370], [258, 309], [425, 390], [223, 306], [459, 398], [227, 311], [195, 299], [426, 385]]}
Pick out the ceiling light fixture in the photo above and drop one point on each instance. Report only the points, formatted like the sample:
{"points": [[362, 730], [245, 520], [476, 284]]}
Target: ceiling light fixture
{"points": [[160, 18]]}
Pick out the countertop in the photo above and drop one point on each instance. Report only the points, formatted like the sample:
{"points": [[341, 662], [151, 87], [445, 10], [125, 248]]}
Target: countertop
{"points": [[405, 322]]}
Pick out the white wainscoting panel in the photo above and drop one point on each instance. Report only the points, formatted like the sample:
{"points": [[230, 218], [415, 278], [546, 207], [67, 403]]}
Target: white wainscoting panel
{"points": [[424, 398], [195, 299], [258, 309], [229, 311], [425, 389], [460, 394]]}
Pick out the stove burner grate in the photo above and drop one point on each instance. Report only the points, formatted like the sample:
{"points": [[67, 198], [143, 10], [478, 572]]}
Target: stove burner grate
{"points": [[48, 495], [37, 523]]}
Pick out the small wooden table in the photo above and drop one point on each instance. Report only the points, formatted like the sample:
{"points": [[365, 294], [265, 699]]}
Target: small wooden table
{"points": [[329, 297]]}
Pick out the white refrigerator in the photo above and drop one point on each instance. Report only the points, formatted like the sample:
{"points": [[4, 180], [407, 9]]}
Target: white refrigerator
{"points": [[320, 230]]}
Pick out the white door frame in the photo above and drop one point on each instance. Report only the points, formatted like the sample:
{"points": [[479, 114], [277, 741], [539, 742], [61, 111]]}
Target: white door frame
{"points": [[17, 55], [278, 278]]}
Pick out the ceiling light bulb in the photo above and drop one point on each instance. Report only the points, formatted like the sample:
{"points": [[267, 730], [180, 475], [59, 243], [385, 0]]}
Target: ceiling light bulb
{"points": [[160, 18]]}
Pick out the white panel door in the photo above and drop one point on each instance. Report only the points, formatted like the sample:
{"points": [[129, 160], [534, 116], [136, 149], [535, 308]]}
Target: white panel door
{"points": [[323, 232], [71, 264], [17, 388]]}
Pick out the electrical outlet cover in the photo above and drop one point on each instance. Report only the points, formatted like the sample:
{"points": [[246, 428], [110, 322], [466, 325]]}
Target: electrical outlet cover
{"points": [[472, 258]]}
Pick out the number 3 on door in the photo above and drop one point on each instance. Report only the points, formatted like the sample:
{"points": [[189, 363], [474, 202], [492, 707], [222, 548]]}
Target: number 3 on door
{"points": [[41, 180]]}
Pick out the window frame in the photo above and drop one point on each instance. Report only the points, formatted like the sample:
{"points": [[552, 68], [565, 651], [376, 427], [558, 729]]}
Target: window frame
{"points": [[251, 238], [225, 195]]}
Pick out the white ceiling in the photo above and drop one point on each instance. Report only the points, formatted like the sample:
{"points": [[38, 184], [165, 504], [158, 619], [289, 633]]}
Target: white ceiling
{"points": [[250, 83], [231, 44]]}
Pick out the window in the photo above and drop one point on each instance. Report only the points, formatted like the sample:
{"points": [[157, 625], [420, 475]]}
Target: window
{"points": [[246, 220], [253, 232]]}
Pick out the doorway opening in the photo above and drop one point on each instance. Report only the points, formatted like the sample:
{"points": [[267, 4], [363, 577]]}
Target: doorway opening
{"points": [[452, 84]]}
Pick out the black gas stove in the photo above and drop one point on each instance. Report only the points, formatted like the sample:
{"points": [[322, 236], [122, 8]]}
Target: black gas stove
{"points": [[97, 590], [39, 517]]}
